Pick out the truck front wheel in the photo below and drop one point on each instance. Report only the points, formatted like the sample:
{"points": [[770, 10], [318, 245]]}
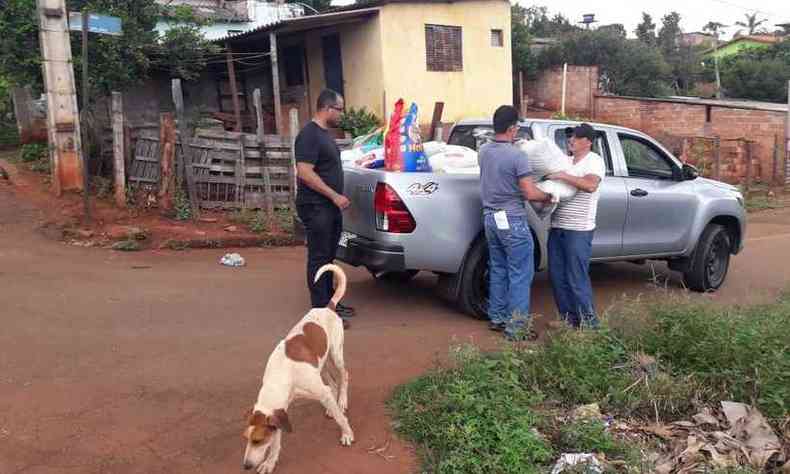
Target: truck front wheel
{"points": [[710, 261]]}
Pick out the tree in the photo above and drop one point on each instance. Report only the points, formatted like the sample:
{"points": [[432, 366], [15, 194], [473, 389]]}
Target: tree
{"points": [[759, 74], [615, 28], [752, 24], [320, 5], [627, 67], [713, 28], [116, 62], [520, 38], [669, 34], [540, 25], [646, 31]]}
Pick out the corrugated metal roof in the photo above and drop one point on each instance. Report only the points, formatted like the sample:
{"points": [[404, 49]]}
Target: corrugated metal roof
{"points": [[302, 23]]}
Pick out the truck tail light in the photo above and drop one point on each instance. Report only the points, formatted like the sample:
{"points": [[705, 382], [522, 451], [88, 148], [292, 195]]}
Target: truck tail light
{"points": [[392, 215]]}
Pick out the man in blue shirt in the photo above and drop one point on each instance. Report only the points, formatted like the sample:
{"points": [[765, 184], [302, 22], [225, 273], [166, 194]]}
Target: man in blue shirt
{"points": [[505, 183]]}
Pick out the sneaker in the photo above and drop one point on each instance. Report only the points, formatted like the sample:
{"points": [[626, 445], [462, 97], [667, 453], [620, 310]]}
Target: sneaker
{"points": [[345, 311], [498, 327]]}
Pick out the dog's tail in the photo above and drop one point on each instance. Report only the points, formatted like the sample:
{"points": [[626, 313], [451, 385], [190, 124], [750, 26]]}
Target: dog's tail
{"points": [[340, 283]]}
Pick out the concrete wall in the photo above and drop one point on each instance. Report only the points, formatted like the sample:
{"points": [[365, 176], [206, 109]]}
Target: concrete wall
{"points": [[546, 91], [668, 121], [486, 81]]}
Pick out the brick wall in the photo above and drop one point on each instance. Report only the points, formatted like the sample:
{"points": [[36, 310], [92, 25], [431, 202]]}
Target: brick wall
{"points": [[581, 87], [667, 121]]}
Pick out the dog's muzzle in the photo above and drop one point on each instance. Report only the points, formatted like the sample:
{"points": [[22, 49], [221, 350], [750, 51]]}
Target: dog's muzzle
{"points": [[247, 465]]}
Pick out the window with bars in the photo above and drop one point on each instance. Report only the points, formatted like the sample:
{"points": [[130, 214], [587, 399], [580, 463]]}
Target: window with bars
{"points": [[497, 39], [444, 48]]}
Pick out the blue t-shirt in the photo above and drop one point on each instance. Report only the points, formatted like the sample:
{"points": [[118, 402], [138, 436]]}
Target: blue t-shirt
{"points": [[501, 167]]}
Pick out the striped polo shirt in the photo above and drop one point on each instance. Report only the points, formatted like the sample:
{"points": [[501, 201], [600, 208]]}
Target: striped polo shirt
{"points": [[578, 213]]}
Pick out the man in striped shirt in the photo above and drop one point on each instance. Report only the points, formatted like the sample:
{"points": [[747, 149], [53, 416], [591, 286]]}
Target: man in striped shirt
{"points": [[572, 229]]}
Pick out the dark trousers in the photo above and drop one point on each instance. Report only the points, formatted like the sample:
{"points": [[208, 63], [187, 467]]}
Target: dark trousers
{"points": [[569, 265], [323, 224]]}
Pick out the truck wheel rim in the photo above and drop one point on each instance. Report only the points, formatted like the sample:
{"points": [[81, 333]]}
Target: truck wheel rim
{"points": [[718, 258]]}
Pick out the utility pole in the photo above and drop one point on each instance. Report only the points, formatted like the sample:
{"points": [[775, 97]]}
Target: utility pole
{"points": [[85, 91], [63, 124]]}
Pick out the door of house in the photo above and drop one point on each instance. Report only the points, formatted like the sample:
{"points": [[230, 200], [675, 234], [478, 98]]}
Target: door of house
{"points": [[333, 62]]}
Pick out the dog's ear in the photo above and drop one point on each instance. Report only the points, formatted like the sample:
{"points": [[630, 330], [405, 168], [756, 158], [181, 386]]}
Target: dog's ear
{"points": [[257, 429], [280, 419]]}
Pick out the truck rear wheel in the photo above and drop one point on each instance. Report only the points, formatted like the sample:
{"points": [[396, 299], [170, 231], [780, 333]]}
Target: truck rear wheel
{"points": [[473, 298], [711, 260]]}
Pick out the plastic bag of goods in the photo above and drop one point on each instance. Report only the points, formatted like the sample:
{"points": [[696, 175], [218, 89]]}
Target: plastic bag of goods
{"points": [[545, 157], [402, 143], [454, 158], [370, 141], [373, 159]]}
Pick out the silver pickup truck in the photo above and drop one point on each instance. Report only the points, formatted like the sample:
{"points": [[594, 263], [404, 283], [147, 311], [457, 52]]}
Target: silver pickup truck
{"points": [[652, 206]]}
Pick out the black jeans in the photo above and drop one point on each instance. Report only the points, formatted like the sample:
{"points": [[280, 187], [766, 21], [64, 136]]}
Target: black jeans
{"points": [[323, 224]]}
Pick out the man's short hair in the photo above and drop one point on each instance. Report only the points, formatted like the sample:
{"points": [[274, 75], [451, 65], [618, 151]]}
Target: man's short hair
{"points": [[584, 131], [505, 117], [327, 98]]}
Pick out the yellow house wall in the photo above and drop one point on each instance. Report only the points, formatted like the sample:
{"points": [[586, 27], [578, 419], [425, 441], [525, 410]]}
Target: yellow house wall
{"points": [[486, 81], [360, 49]]}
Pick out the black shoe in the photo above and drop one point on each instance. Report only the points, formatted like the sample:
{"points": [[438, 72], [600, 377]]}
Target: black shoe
{"points": [[345, 311], [498, 327]]}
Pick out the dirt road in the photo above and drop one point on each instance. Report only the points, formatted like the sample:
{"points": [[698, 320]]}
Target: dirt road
{"points": [[146, 363]]}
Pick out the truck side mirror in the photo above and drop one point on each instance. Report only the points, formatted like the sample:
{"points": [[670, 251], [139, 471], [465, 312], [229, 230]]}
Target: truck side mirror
{"points": [[690, 172]]}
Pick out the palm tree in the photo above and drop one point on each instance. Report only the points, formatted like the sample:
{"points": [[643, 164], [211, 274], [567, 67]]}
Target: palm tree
{"points": [[752, 23], [713, 27]]}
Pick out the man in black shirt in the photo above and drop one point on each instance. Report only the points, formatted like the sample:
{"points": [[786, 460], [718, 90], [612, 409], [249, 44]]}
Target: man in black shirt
{"points": [[319, 199]]}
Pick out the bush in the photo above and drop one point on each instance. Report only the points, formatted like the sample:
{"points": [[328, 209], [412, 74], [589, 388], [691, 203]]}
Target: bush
{"points": [[739, 353], [358, 122], [33, 152]]}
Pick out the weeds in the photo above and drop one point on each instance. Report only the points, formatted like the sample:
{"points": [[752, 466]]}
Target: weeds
{"points": [[506, 412], [181, 204]]}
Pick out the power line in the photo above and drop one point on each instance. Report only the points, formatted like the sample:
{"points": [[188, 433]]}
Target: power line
{"points": [[755, 10]]}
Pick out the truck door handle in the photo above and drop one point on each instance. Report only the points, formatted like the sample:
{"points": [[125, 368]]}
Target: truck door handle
{"points": [[639, 192]]}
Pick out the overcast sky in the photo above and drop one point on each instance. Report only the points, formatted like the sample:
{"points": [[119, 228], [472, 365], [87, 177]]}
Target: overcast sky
{"points": [[694, 13]]}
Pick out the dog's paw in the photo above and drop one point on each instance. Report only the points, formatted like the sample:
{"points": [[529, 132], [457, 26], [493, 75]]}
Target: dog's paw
{"points": [[328, 414], [347, 438], [267, 467], [343, 403]]}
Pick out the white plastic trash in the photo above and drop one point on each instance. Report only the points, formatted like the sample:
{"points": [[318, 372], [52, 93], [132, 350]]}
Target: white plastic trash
{"points": [[232, 260], [592, 464]]}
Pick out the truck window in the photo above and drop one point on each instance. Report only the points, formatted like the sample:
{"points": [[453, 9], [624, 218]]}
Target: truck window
{"points": [[467, 135], [644, 160], [600, 146]]}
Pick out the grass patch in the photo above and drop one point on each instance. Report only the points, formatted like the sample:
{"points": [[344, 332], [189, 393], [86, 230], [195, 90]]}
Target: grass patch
{"points": [[258, 222], [738, 353], [763, 203], [473, 418], [508, 412]]}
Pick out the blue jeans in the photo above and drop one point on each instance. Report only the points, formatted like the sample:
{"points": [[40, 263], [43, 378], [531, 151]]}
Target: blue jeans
{"points": [[569, 264], [511, 269]]}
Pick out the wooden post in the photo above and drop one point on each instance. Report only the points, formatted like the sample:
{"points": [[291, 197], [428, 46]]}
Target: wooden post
{"points": [[86, 133], [186, 161], [294, 120], [748, 165], [438, 110], [564, 87], [127, 144], [278, 106], [167, 157], [717, 158], [241, 175], [234, 90], [22, 99], [787, 138], [520, 103], [63, 123], [775, 177], [119, 161], [267, 179]]}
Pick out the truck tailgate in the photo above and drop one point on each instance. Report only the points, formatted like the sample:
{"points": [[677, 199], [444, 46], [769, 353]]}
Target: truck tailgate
{"points": [[360, 188]]}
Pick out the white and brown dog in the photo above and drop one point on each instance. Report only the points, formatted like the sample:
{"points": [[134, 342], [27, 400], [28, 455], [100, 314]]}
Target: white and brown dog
{"points": [[294, 371]]}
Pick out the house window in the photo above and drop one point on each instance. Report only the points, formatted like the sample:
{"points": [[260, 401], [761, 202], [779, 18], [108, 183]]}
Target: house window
{"points": [[497, 39], [444, 48]]}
